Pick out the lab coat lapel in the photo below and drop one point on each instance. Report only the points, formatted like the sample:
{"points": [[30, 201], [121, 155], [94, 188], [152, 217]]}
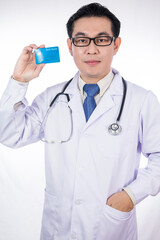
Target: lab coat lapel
{"points": [[107, 101], [75, 102]]}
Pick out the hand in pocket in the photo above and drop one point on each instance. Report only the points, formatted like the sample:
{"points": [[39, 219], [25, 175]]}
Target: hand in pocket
{"points": [[120, 201]]}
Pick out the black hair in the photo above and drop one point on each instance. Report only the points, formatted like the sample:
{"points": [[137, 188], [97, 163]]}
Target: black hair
{"points": [[94, 10]]}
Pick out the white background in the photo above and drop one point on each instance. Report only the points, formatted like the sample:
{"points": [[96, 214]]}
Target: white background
{"points": [[22, 180]]}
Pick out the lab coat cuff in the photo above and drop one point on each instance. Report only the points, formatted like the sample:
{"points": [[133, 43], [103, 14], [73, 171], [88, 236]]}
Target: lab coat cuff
{"points": [[131, 195], [20, 83], [15, 93], [16, 86]]}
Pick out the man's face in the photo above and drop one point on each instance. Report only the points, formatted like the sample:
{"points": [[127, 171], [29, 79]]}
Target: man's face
{"points": [[93, 62]]}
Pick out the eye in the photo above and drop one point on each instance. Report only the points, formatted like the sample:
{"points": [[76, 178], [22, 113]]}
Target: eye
{"points": [[80, 40], [103, 39]]}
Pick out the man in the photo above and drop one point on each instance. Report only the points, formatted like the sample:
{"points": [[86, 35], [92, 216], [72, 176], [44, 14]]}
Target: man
{"points": [[92, 178]]}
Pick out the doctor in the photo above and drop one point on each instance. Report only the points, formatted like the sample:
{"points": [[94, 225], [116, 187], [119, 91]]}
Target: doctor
{"points": [[93, 180]]}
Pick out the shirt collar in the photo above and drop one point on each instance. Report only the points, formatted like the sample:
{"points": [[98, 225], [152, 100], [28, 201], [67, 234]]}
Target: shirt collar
{"points": [[103, 84]]}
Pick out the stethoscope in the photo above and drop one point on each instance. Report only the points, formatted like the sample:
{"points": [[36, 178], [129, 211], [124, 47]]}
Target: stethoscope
{"points": [[113, 129]]}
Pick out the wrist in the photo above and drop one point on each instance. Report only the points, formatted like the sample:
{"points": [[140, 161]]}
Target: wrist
{"points": [[19, 82], [18, 79]]}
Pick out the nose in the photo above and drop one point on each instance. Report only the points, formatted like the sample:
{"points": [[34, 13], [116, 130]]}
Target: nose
{"points": [[92, 48]]}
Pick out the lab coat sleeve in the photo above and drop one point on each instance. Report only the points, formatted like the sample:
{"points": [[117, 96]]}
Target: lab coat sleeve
{"points": [[19, 123], [148, 178]]}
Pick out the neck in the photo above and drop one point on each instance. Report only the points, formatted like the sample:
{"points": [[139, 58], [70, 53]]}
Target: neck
{"points": [[92, 79]]}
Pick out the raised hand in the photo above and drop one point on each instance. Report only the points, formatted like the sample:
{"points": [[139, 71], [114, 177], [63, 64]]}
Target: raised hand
{"points": [[26, 68]]}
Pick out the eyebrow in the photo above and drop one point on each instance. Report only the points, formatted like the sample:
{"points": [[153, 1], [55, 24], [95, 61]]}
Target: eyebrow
{"points": [[99, 34], [80, 34], [103, 33]]}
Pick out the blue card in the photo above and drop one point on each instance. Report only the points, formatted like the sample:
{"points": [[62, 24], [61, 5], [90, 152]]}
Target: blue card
{"points": [[47, 55]]}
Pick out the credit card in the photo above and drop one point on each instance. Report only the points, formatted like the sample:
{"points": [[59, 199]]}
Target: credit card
{"points": [[47, 55]]}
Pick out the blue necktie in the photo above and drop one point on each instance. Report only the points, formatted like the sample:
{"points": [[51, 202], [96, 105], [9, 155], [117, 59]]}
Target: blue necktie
{"points": [[89, 103]]}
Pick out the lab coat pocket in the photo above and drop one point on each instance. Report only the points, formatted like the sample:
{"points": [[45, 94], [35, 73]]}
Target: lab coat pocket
{"points": [[49, 221], [117, 225]]}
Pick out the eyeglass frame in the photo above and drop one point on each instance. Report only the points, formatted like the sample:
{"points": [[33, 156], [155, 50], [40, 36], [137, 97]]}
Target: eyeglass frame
{"points": [[90, 39]]}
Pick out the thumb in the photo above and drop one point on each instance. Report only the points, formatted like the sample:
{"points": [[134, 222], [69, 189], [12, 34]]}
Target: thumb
{"points": [[42, 46]]}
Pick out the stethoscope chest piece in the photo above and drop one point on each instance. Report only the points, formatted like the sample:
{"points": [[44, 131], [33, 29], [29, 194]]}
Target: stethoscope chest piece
{"points": [[114, 129]]}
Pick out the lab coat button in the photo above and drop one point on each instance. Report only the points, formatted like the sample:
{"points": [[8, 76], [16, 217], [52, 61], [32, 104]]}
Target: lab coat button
{"points": [[73, 235], [78, 202], [80, 169]]}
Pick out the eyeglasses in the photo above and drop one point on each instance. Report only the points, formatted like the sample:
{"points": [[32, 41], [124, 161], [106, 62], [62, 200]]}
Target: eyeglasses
{"points": [[98, 41]]}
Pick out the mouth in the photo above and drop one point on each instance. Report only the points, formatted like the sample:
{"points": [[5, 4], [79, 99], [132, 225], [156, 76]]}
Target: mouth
{"points": [[92, 62]]}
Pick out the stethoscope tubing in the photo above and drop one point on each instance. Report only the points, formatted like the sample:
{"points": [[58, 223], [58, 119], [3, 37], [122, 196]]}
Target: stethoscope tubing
{"points": [[62, 93], [123, 99], [111, 129]]}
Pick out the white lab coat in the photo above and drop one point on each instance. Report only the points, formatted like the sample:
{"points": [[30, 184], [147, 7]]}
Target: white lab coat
{"points": [[83, 172]]}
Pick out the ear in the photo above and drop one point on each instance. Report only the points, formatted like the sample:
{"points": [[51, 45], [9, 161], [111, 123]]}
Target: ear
{"points": [[69, 43], [117, 45]]}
